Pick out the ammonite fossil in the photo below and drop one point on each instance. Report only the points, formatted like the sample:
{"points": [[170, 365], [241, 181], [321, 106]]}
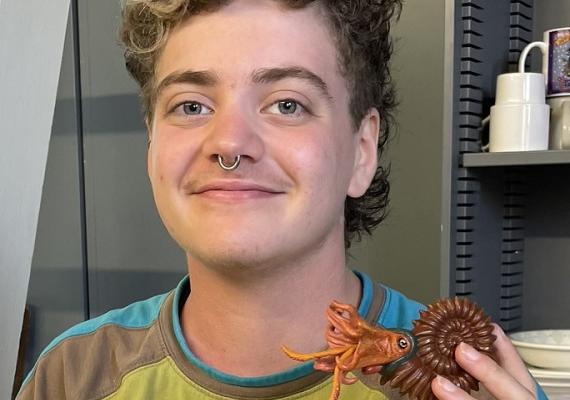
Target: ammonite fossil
{"points": [[406, 360]]}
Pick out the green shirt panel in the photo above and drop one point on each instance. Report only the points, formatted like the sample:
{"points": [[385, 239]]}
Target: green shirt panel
{"points": [[163, 380]]}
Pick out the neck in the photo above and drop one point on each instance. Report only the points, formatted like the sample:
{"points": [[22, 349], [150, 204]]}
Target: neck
{"points": [[231, 321]]}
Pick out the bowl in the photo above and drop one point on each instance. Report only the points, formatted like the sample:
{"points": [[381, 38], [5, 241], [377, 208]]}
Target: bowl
{"points": [[545, 348]]}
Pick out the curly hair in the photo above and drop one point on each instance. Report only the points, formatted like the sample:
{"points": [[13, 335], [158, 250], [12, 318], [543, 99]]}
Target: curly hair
{"points": [[361, 32]]}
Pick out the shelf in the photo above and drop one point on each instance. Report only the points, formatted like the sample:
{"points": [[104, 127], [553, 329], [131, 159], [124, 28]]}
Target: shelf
{"points": [[516, 158]]}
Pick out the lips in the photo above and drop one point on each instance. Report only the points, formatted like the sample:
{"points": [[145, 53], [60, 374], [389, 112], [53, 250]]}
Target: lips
{"points": [[234, 190]]}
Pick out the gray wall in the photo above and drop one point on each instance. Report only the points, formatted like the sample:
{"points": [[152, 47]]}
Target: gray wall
{"points": [[404, 252], [547, 244], [55, 291], [546, 293], [29, 69], [130, 254]]}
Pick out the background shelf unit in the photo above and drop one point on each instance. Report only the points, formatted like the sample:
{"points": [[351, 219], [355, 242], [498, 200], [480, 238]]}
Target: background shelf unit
{"points": [[516, 158], [510, 212]]}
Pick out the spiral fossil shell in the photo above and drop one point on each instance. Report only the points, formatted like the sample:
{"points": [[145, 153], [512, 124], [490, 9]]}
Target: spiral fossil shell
{"points": [[439, 330]]}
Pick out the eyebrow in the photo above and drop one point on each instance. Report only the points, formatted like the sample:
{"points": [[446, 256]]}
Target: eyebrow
{"points": [[260, 76], [270, 75], [201, 78]]}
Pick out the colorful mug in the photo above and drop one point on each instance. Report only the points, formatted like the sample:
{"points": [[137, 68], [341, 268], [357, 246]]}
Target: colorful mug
{"points": [[555, 49]]}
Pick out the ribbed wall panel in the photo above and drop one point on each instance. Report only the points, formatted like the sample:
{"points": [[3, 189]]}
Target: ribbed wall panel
{"points": [[488, 211]]}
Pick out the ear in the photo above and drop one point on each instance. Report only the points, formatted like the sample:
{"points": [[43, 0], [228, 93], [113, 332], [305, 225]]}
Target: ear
{"points": [[366, 157], [148, 125]]}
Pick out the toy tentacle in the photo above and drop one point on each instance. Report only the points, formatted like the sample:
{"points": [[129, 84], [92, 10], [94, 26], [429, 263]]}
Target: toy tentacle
{"points": [[349, 360], [341, 359], [327, 364], [311, 356], [350, 328], [348, 381], [336, 338], [335, 392]]}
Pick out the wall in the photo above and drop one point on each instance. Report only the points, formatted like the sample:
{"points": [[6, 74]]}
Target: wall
{"points": [[131, 257], [547, 243], [31, 62], [55, 291], [404, 252], [547, 249]]}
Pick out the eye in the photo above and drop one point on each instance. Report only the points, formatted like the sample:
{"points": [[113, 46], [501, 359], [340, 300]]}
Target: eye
{"points": [[402, 343], [192, 108], [287, 107], [195, 108]]}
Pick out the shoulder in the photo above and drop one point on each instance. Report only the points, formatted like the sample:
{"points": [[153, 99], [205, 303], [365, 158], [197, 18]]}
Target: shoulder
{"points": [[90, 356], [398, 311], [139, 315]]}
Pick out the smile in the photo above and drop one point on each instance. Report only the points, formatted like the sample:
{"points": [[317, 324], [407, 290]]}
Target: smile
{"points": [[235, 191], [236, 194]]}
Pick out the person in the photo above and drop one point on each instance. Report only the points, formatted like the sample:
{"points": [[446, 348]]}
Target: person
{"points": [[266, 120]]}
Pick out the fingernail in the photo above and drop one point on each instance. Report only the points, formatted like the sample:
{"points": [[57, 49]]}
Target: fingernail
{"points": [[446, 385], [498, 332], [469, 352]]}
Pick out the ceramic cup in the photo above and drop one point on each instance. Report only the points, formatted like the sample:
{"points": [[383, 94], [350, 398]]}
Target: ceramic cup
{"points": [[520, 117], [559, 123], [555, 49]]}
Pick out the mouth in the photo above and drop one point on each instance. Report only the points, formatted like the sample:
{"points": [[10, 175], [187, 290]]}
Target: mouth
{"points": [[235, 191], [383, 345]]}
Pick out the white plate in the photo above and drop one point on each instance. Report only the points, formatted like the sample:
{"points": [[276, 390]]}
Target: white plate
{"points": [[546, 349], [554, 385], [549, 373], [557, 394]]}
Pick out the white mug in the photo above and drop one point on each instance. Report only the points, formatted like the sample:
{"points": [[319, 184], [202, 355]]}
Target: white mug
{"points": [[520, 117], [518, 127], [520, 88], [559, 123], [555, 49]]}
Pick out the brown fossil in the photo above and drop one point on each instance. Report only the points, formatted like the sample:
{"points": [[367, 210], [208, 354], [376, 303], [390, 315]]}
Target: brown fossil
{"points": [[407, 361], [439, 330]]}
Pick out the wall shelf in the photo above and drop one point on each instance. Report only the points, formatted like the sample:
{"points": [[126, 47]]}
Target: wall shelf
{"points": [[515, 158]]}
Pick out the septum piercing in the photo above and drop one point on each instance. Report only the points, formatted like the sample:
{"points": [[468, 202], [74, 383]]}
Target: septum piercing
{"points": [[229, 167]]}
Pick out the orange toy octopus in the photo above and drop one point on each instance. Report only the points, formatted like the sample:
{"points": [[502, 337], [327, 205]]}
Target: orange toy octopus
{"points": [[354, 344]]}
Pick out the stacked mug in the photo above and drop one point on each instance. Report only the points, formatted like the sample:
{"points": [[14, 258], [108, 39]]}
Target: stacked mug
{"points": [[555, 49], [519, 119]]}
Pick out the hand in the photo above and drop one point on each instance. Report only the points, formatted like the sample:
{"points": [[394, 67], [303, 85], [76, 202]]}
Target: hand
{"points": [[508, 379]]}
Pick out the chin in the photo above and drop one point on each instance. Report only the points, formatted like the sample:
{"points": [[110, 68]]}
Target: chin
{"points": [[234, 255]]}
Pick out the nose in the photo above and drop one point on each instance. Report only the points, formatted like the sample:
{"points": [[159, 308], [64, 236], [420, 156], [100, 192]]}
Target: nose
{"points": [[234, 134]]}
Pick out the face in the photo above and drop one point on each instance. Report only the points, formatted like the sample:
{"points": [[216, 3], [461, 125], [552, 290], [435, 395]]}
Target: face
{"points": [[256, 80]]}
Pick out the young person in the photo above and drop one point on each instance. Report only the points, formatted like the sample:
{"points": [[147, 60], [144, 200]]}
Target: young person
{"points": [[266, 120]]}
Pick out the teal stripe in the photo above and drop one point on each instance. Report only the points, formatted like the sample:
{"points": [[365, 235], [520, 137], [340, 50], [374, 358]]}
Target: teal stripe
{"points": [[300, 371], [138, 315], [367, 293], [134, 316], [399, 311]]}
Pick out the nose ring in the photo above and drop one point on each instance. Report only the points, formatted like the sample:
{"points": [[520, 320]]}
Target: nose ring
{"points": [[229, 167]]}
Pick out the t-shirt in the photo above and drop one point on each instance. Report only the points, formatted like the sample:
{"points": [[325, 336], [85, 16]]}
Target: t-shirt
{"points": [[139, 352]]}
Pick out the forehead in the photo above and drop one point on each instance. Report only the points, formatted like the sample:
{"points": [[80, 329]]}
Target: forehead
{"points": [[247, 35]]}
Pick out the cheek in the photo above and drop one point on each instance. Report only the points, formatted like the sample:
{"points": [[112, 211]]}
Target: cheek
{"points": [[320, 163], [308, 160], [172, 155]]}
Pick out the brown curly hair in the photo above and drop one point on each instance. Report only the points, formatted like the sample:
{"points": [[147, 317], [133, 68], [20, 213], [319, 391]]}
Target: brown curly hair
{"points": [[361, 31]]}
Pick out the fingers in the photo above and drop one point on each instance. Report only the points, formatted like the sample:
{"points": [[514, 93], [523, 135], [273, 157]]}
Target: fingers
{"points": [[510, 359], [446, 390], [509, 379], [372, 369], [496, 379]]}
